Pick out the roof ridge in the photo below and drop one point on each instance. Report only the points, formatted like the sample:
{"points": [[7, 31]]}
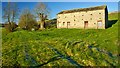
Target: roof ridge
{"points": [[87, 7], [83, 9]]}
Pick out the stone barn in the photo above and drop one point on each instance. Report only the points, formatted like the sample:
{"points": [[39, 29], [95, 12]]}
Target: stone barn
{"points": [[84, 18]]}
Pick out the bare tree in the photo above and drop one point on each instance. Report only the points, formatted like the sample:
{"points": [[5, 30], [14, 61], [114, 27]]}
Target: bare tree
{"points": [[10, 12], [42, 12]]}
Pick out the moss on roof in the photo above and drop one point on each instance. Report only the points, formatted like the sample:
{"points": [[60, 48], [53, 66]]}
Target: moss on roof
{"points": [[83, 9]]}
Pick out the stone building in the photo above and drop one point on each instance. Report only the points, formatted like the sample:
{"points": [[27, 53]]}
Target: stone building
{"points": [[84, 18]]}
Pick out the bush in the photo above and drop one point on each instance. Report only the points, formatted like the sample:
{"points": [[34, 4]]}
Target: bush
{"points": [[10, 26], [27, 21], [18, 29]]}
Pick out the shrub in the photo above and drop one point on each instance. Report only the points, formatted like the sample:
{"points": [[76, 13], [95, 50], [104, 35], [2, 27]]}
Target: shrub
{"points": [[27, 21], [10, 26]]}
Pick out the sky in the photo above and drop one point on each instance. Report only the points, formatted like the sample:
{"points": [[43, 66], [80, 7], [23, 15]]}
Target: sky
{"points": [[56, 7]]}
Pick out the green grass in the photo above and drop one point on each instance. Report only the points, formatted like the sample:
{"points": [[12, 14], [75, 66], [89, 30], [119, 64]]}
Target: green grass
{"points": [[34, 48]]}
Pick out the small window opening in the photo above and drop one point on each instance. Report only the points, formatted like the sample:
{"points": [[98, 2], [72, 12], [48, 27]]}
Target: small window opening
{"points": [[90, 18]]}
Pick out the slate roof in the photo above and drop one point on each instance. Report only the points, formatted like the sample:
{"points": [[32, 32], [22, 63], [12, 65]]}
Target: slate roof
{"points": [[84, 9]]}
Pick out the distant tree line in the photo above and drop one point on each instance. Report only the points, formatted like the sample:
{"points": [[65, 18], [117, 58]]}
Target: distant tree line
{"points": [[1, 25], [27, 20]]}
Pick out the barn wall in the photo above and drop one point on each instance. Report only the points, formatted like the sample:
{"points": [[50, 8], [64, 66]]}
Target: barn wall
{"points": [[77, 19]]}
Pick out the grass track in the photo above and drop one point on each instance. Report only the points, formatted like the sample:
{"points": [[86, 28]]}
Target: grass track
{"points": [[86, 47]]}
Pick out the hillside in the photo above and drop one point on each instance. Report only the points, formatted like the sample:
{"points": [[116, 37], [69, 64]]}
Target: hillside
{"points": [[62, 47]]}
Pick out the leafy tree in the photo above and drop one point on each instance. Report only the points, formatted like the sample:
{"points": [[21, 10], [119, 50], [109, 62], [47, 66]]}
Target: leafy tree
{"points": [[42, 12], [27, 20]]}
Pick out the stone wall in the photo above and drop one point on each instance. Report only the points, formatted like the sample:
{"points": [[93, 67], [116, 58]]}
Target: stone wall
{"points": [[77, 19]]}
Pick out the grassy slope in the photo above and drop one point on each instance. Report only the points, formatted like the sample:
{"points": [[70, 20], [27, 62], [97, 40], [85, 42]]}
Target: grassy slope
{"points": [[74, 43]]}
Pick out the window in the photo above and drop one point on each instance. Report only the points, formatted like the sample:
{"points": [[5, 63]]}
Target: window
{"points": [[90, 18], [63, 23], [58, 17], [74, 19]]}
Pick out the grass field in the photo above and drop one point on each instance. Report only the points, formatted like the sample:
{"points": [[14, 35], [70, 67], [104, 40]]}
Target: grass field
{"points": [[61, 47]]}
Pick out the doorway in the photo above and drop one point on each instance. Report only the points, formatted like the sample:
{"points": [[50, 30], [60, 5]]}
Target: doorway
{"points": [[68, 24], [99, 24], [85, 24]]}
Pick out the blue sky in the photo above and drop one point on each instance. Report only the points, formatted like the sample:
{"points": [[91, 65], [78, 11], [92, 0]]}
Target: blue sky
{"points": [[59, 6]]}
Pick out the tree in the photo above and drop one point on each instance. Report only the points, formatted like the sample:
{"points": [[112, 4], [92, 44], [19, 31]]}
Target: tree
{"points": [[27, 20], [10, 13], [42, 12]]}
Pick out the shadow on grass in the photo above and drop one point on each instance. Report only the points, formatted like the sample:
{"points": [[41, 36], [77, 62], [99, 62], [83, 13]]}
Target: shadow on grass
{"points": [[111, 22], [60, 56], [65, 57], [50, 60]]}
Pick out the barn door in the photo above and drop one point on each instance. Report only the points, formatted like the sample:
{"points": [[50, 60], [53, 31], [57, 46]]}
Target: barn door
{"points": [[68, 24], [99, 24], [85, 24]]}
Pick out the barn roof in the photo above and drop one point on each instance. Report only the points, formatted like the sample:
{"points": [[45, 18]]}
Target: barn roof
{"points": [[83, 9]]}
